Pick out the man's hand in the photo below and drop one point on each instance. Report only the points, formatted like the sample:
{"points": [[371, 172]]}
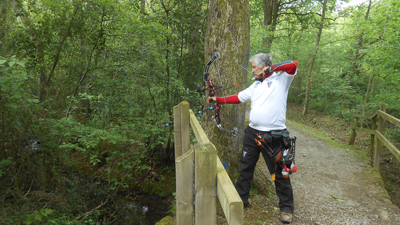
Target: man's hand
{"points": [[267, 70], [211, 99]]}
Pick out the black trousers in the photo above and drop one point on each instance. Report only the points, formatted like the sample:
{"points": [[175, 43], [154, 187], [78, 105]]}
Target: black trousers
{"points": [[250, 155]]}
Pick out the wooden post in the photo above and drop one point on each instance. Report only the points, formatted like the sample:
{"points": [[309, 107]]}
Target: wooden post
{"points": [[381, 123], [353, 132], [184, 167], [205, 183], [371, 141], [185, 127], [177, 131], [184, 188], [208, 169], [181, 129]]}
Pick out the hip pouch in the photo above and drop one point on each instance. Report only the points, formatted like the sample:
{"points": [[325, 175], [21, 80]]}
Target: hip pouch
{"points": [[283, 147]]}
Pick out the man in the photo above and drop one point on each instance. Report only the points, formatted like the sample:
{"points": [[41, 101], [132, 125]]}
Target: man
{"points": [[268, 96]]}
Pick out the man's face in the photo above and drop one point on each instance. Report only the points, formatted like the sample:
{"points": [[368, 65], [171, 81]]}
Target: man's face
{"points": [[255, 69]]}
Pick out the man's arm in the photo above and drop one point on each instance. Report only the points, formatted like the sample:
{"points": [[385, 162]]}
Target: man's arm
{"points": [[290, 67], [233, 99], [241, 97]]}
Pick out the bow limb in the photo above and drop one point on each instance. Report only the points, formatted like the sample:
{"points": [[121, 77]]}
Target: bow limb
{"points": [[217, 122]]}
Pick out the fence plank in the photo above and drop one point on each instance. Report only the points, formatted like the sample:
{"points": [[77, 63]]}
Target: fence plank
{"points": [[230, 200], [184, 188], [365, 116], [367, 131], [205, 183], [381, 123], [389, 118], [388, 145], [197, 129], [381, 116]]}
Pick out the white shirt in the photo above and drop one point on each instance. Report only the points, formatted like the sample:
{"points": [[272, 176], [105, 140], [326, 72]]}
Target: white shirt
{"points": [[268, 101]]}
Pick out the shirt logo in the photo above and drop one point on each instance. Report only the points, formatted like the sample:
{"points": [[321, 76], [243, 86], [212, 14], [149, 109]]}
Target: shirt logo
{"points": [[269, 84], [244, 154]]}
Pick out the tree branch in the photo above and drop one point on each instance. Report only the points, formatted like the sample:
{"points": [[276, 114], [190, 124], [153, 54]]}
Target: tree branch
{"points": [[90, 212], [88, 63], [297, 14], [60, 48], [91, 55]]}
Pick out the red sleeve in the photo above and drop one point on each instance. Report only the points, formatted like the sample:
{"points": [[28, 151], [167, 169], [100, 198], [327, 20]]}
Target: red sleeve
{"points": [[233, 99], [289, 67]]}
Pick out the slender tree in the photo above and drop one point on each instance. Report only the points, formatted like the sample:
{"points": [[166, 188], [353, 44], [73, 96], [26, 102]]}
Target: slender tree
{"points": [[271, 8], [354, 67], [278, 12], [321, 25], [143, 6]]}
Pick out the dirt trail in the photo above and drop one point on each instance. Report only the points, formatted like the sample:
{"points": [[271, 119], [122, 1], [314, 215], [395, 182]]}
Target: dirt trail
{"points": [[335, 185]]}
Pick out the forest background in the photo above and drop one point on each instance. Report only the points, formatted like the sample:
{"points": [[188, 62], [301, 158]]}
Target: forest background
{"points": [[87, 89]]}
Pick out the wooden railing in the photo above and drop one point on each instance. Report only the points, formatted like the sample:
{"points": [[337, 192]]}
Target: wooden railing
{"points": [[201, 165], [381, 116]]}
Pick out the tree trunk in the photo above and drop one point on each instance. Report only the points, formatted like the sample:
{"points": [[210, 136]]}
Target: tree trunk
{"points": [[271, 8], [17, 9], [228, 32], [370, 85], [57, 57], [355, 66], [321, 25], [5, 19], [143, 6]]}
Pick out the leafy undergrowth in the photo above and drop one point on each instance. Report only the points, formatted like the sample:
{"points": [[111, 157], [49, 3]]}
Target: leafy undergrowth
{"points": [[79, 194], [341, 130]]}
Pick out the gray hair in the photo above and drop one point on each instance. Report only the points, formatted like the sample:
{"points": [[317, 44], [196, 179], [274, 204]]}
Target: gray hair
{"points": [[262, 58]]}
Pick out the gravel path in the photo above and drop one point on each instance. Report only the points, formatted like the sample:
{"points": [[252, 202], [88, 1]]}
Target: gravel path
{"points": [[333, 185]]}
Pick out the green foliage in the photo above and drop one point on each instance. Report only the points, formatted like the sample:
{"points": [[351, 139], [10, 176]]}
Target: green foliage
{"points": [[39, 217], [76, 136], [4, 164], [96, 81], [13, 83], [346, 71], [45, 217]]}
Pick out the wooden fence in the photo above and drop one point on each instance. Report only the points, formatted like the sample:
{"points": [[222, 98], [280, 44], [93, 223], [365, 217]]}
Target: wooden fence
{"points": [[201, 165], [381, 116]]}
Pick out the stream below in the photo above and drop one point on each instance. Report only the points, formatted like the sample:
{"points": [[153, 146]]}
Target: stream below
{"points": [[142, 210]]}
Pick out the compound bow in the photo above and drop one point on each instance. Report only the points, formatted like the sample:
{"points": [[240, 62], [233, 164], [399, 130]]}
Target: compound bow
{"points": [[212, 92]]}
